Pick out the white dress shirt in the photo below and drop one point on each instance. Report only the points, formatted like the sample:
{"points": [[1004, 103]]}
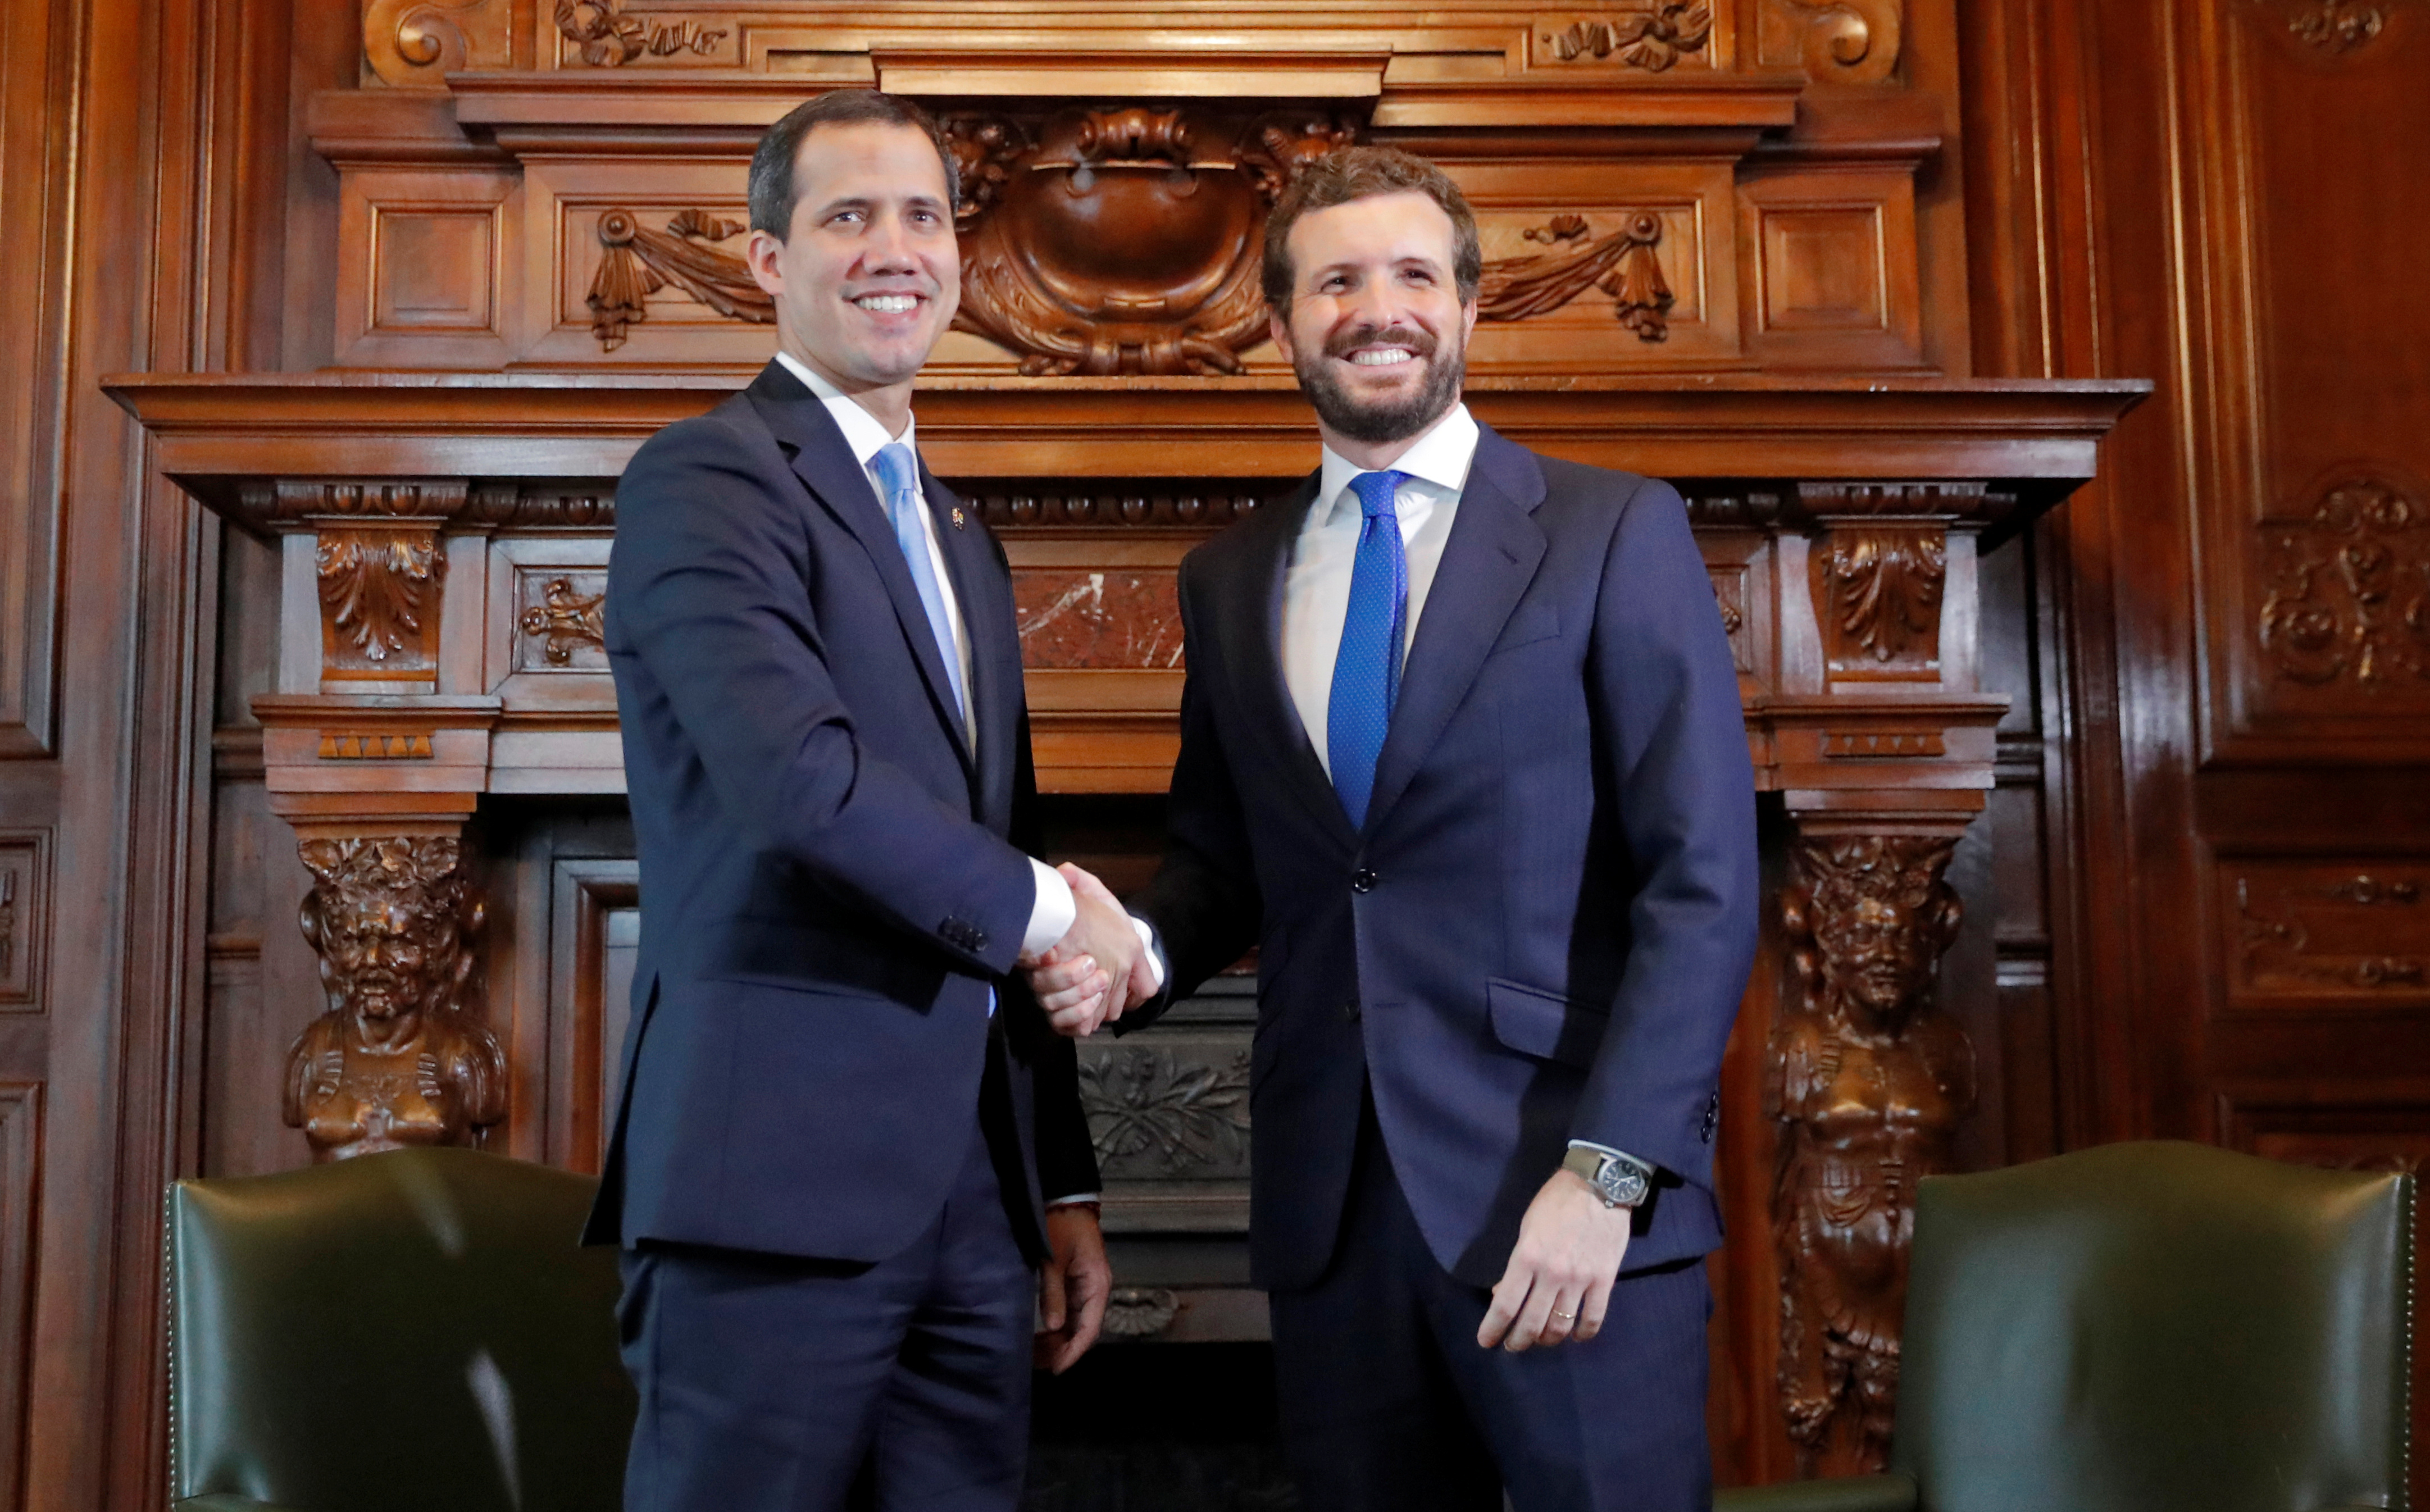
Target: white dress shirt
{"points": [[1316, 590]]}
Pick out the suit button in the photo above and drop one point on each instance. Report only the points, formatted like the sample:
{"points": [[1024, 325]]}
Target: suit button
{"points": [[1350, 1011], [1362, 880]]}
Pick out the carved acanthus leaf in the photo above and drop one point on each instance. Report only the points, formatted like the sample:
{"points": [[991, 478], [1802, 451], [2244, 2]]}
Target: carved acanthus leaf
{"points": [[1624, 265], [1154, 1109], [1886, 583], [377, 587], [2349, 589]]}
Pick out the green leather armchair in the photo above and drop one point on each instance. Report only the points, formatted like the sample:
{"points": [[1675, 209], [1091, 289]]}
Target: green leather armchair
{"points": [[413, 1330], [2144, 1327]]}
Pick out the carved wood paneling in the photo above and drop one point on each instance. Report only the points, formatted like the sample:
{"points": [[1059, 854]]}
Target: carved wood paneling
{"points": [[2315, 935], [20, 1163], [25, 918], [1830, 257], [2348, 608], [594, 936], [37, 105]]}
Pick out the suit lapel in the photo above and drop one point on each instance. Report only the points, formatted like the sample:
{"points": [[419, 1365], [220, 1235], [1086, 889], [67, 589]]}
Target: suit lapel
{"points": [[826, 467], [1248, 621], [1492, 557], [984, 591]]}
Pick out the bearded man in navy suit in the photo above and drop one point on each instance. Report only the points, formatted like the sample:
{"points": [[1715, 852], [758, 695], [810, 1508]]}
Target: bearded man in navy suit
{"points": [[1462, 756], [849, 1166]]}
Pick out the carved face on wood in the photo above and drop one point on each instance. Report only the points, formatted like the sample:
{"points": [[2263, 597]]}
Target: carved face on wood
{"points": [[1877, 915], [390, 922], [1376, 329], [869, 276]]}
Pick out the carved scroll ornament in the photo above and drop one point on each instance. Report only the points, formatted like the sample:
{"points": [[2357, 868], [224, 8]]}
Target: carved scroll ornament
{"points": [[2350, 588], [396, 1059], [1849, 41], [1868, 1083], [416, 44]]}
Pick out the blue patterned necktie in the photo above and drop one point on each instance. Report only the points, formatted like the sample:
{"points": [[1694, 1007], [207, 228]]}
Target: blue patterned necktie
{"points": [[904, 504], [1366, 671]]}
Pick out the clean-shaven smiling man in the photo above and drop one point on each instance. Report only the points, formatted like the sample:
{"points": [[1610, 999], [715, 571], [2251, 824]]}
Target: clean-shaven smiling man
{"points": [[849, 1143]]}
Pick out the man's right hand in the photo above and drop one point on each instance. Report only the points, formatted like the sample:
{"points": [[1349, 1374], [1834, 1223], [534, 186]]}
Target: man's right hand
{"points": [[1088, 978]]}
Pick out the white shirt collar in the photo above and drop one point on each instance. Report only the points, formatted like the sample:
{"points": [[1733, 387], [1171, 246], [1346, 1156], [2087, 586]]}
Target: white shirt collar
{"points": [[1439, 457], [862, 431]]}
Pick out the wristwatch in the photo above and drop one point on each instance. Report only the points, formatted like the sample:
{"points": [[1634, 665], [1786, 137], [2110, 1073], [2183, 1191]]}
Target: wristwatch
{"points": [[1617, 1180]]}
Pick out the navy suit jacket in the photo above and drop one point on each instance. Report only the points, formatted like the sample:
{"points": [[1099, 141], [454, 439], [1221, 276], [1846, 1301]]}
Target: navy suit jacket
{"points": [[1543, 930], [831, 881]]}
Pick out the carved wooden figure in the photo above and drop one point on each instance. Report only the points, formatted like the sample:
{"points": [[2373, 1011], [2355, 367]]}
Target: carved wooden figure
{"points": [[395, 1061], [1868, 1082]]}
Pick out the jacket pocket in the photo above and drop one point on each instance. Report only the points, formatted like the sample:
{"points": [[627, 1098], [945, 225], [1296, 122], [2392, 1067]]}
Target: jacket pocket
{"points": [[1544, 1024]]}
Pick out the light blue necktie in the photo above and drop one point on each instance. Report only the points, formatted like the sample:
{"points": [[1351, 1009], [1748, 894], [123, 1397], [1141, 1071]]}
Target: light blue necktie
{"points": [[1367, 672], [904, 504]]}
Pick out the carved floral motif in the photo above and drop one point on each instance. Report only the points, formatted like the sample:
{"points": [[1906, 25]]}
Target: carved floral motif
{"points": [[2356, 919], [1154, 1109], [566, 621], [1883, 592], [1624, 265], [2350, 588], [397, 1059], [377, 587], [2335, 25], [609, 38], [1651, 39], [1868, 1082]]}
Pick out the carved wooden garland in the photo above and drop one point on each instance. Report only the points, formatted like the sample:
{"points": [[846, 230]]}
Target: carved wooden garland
{"points": [[1124, 240]]}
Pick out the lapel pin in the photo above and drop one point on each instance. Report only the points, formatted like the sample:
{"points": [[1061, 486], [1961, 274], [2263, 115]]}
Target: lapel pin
{"points": [[958, 520]]}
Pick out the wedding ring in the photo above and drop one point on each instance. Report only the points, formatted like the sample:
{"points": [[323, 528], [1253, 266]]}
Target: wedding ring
{"points": [[1564, 1317]]}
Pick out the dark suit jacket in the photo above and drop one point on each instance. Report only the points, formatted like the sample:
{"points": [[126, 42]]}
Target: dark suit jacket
{"points": [[830, 881], [1543, 932]]}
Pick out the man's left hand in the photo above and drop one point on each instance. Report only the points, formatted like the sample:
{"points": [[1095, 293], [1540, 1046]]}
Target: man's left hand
{"points": [[1071, 1287], [1558, 1282]]}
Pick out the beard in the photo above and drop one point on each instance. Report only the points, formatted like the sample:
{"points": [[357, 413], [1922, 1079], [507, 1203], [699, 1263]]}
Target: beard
{"points": [[1381, 422]]}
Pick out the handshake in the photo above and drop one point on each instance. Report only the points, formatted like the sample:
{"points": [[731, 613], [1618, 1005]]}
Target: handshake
{"points": [[1101, 968]]}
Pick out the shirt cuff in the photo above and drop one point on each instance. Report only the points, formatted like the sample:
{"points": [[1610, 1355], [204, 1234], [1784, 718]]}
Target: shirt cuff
{"points": [[1051, 916], [1645, 1165], [1075, 1199], [1147, 944]]}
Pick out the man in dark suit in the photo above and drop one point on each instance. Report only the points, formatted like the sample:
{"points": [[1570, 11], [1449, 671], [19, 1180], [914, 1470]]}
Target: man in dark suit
{"points": [[1462, 756], [847, 1137]]}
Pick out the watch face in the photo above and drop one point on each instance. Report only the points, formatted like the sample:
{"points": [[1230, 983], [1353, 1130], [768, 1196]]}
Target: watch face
{"points": [[1623, 1184]]}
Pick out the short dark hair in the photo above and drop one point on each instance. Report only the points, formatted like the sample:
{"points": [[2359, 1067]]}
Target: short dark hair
{"points": [[773, 191], [1348, 174]]}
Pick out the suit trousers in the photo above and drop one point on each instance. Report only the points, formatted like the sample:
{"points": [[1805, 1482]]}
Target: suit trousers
{"points": [[1389, 1405], [777, 1384]]}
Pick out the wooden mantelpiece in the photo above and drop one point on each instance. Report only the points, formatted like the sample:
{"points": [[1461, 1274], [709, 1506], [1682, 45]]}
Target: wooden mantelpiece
{"points": [[522, 461]]}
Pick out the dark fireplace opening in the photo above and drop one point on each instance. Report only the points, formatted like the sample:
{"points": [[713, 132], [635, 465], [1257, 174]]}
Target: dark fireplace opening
{"points": [[1160, 1428]]}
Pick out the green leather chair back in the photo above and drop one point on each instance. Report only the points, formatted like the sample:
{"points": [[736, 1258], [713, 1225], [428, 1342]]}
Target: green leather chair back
{"points": [[417, 1330], [2146, 1326]]}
